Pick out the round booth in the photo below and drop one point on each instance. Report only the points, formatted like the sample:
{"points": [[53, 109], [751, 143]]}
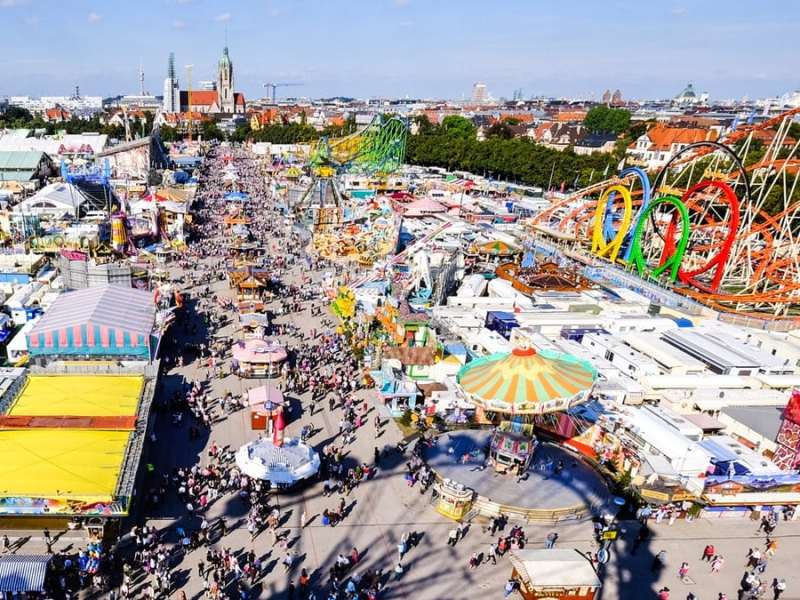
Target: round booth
{"points": [[259, 357]]}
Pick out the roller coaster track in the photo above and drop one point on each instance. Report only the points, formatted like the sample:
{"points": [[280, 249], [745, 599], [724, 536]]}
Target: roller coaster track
{"points": [[761, 276]]}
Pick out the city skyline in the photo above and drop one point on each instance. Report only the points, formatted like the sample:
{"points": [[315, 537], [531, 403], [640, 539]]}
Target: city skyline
{"points": [[398, 48]]}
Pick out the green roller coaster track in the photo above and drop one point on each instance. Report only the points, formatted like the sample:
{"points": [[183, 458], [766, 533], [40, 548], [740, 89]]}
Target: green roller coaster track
{"points": [[378, 148]]}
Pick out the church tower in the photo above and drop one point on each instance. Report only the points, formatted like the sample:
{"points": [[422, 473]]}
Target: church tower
{"points": [[225, 83]]}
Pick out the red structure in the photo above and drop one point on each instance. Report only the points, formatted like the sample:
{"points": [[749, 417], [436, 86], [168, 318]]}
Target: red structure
{"points": [[787, 456]]}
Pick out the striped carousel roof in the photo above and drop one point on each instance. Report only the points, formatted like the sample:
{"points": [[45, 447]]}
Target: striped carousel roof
{"points": [[526, 381], [497, 248]]}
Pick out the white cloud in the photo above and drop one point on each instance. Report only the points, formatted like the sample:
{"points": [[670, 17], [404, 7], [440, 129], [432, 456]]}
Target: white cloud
{"points": [[178, 24], [223, 18], [679, 11], [12, 3], [94, 17], [405, 23], [401, 3], [184, 1]]}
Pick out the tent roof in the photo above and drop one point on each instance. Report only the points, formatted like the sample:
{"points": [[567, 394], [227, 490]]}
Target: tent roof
{"points": [[22, 160], [554, 568], [525, 379], [23, 572], [64, 195], [110, 306]]}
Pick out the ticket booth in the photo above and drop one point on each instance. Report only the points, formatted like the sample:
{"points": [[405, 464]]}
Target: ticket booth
{"points": [[454, 500]]}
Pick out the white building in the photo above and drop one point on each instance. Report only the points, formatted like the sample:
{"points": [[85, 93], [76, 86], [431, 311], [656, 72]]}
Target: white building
{"points": [[479, 93]]}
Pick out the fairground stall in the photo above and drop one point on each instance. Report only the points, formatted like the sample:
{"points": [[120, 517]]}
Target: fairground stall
{"points": [[258, 357], [554, 574]]}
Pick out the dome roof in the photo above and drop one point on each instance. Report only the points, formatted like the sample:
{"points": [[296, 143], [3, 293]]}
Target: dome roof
{"points": [[525, 381], [688, 92]]}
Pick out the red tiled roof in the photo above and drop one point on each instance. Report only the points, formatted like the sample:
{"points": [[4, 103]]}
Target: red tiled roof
{"points": [[203, 97], [570, 115], [238, 98], [662, 138]]}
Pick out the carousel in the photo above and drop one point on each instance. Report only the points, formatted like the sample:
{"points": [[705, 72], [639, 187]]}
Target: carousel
{"points": [[283, 463], [258, 357], [525, 383], [511, 391]]}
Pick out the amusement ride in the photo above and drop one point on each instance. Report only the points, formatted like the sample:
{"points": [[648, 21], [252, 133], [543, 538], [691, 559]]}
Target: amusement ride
{"points": [[719, 223]]}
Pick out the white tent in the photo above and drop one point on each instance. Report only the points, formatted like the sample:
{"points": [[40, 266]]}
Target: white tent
{"points": [[55, 199]]}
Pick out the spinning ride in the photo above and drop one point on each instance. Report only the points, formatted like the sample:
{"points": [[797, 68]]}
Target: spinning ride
{"points": [[720, 222], [379, 148], [526, 382]]}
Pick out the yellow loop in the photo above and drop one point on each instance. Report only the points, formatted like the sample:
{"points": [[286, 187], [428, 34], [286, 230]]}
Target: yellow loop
{"points": [[600, 246]]}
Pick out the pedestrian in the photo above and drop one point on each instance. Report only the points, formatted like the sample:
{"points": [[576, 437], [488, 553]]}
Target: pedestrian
{"points": [[708, 553], [303, 520], [551, 540], [398, 570], [6, 544], [452, 537], [778, 587], [47, 539], [663, 593], [474, 560], [401, 549], [717, 564], [290, 590], [683, 571], [492, 554], [772, 547], [509, 588]]}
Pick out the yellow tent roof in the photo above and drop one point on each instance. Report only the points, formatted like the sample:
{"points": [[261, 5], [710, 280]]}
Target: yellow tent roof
{"points": [[78, 395], [69, 464]]}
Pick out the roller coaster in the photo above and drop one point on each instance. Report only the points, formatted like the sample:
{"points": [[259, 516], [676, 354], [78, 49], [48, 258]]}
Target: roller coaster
{"points": [[719, 222], [378, 148]]}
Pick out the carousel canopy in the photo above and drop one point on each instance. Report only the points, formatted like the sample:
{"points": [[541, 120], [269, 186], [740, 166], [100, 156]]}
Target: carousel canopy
{"points": [[259, 351], [497, 248], [526, 381]]}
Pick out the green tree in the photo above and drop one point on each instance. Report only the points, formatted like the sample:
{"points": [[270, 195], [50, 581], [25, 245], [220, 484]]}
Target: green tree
{"points": [[602, 119], [210, 131], [168, 134], [457, 126]]}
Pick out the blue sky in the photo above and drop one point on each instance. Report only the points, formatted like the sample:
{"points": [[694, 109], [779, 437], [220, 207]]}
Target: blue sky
{"points": [[420, 48]]}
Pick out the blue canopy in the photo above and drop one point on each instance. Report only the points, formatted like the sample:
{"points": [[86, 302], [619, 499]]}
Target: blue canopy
{"points": [[237, 196]]}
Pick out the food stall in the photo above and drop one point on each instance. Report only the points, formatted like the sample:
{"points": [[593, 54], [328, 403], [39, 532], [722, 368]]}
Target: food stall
{"points": [[554, 574]]}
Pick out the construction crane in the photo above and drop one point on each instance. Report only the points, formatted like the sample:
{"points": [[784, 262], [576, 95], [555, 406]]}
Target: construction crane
{"points": [[275, 86]]}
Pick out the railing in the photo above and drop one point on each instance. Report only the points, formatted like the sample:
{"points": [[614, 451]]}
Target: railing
{"points": [[488, 508]]}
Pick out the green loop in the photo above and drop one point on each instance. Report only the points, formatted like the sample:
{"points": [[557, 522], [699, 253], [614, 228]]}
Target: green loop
{"points": [[673, 262]]}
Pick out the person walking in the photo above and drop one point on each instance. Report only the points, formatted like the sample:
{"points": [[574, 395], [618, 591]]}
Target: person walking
{"points": [[492, 554], [717, 564], [772, 547], [6, 544], [683, 571], [452, 537], [778, 587], [401, 549], [551, 540], [708, 553], [303, 520]]}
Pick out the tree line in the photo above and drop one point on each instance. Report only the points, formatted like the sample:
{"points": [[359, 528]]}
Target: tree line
{"points": [[454, 145]]}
